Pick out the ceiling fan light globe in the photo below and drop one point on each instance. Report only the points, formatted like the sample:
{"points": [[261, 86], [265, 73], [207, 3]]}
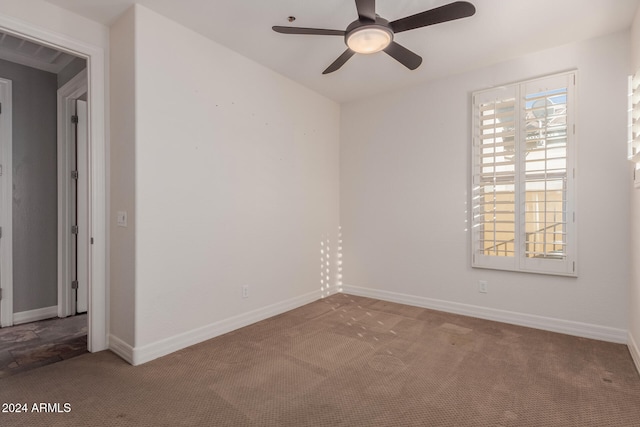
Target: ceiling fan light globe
{"points": [[368, 40]]}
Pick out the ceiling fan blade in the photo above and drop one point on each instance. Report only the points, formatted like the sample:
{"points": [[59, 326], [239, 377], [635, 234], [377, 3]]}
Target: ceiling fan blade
{"points": [[448, 12], [403, 55], [339, 62], [366, 9], [310, 31]]}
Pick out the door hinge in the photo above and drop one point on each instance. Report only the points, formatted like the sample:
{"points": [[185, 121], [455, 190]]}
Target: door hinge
{"points": [[74, 174], [574, 266], [0, 170], [92, 240], [0, 294], [74, 119], [74, 229], [74, 284], [0, 231]]}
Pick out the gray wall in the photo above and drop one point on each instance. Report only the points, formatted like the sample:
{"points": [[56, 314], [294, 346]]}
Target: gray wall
{"points": [[34, 186]]}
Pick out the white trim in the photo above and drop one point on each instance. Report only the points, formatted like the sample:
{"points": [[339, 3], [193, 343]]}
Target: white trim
{"points": [[166, 346], [585, 330], [95, 55], [35, 315], [121, 348], [634, 350], [73, 89], [6, 201]]}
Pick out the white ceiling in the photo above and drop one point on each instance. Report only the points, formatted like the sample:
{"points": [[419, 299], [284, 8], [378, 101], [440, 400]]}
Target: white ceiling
{"points": [[500, 29]]}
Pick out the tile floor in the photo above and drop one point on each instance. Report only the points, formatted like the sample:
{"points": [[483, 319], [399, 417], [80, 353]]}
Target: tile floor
{"points": [[31, 345]]}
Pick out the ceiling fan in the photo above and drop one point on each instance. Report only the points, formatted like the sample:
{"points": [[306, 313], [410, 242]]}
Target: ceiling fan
{"points": [[370, 33]]}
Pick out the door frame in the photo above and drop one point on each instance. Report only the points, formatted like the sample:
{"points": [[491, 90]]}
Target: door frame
{"points": [[95, 55], [67, 94], [6, 205]]}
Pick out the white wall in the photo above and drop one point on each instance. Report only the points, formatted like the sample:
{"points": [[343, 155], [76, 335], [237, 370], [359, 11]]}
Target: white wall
{"points": [[122, 180], [53, 18], [236, 183], [405, 177], [634, 288]]}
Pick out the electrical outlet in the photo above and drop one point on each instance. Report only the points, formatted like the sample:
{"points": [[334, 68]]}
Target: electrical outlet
{"points": [[245, 291], [482, 286]]}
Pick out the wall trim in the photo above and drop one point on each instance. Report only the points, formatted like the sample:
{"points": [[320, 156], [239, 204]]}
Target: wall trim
{"points": [[634, 350], [149, 352], [121, 348], [585, 330], [35, 315]]}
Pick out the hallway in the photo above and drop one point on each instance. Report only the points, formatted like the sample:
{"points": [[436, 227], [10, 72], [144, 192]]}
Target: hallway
{"points": [[31, 345]]}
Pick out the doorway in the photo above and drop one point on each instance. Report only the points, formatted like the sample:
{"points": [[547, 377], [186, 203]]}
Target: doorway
{"points": [[38, 87], [42, 157], [96, 167]]}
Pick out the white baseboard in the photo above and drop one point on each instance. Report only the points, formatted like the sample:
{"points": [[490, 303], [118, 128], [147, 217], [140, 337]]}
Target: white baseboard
{"points": [[35, 315], [634, 350], [121, 348], [146, 353], [568, 327]]}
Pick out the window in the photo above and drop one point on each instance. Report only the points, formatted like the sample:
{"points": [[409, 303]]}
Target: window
{"points": [[523, 177], [634, 126]]}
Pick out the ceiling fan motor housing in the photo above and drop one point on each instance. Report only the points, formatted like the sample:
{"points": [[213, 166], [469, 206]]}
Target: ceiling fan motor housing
{"points": [[365, 29]]}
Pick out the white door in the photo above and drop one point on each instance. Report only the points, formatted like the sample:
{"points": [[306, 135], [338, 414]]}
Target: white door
{"points": [[73, 197], [81, 256], [82, 202]]}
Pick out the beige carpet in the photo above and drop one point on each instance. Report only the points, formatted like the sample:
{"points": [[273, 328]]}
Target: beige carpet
{"points": [[346, 361]]}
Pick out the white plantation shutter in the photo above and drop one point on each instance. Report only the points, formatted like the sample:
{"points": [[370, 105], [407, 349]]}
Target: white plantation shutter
{"points": [[634, 126], [494, 185], [634, 117], [523, 177]]}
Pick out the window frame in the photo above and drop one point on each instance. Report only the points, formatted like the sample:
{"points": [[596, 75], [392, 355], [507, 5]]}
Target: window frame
{"points": [[519, 262]]}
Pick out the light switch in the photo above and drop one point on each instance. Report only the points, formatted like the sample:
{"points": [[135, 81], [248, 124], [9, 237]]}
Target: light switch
{"points": [[122, 218]]}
